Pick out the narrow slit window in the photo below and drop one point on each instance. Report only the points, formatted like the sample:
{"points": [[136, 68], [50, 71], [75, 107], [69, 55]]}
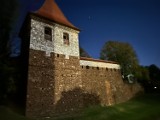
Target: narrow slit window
{"points": [[66, 38], [48, 33]]}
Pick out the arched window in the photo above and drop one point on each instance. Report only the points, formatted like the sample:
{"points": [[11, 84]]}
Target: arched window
{"points": [[66, 38], [48, 33]]}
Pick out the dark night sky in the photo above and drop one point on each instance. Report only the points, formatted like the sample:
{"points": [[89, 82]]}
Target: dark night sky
{"points": [[133, 21]]}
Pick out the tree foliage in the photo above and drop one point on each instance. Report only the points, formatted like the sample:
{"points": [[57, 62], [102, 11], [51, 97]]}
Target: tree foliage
{"points": [[149, 77], [154, 72], [123, 53], [143, 74], [8, 15], [83, 53]]}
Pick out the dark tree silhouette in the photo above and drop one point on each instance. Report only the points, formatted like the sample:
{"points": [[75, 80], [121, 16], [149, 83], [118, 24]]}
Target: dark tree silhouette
{"points": [[143, 73], [83, 53], [149, 77], [154, 72], [8, 15]]}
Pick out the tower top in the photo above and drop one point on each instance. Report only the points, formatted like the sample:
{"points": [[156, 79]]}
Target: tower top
{"points": [[51, 11]]}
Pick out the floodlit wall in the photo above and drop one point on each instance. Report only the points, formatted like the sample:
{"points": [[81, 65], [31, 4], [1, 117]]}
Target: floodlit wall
{"points": [[59, 81], [56, 45], [104, 79]]}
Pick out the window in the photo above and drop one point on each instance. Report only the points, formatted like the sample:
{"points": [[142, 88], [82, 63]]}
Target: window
{"points": [[48, 33], [66, 38]]}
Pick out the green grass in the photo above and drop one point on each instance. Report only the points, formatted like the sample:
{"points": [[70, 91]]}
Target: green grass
{"points": [[146, 107]]}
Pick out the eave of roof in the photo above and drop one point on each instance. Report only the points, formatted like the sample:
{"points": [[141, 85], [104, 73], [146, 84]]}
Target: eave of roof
{"points": [[97, 60]]}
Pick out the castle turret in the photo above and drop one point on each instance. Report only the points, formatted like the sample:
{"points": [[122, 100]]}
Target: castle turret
{"points": [[50, 48]]}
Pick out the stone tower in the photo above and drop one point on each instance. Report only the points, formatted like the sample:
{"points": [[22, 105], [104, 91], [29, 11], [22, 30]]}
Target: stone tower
{"points": [[59, 81], [50, 49]]}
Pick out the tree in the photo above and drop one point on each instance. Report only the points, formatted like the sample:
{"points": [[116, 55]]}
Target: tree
{"points": [[8, 15], [123, 53], [149, 77], [83, 53], [143, 74], [154, 72]]}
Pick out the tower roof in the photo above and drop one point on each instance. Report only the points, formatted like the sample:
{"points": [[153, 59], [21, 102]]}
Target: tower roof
{"points": [[51, 11]]}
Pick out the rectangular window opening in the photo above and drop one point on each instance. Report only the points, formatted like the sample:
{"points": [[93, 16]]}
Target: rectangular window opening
{"points": [[48, 33], [66, 38]]}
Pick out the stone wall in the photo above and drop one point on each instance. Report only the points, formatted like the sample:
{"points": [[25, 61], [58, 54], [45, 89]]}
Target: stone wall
{"points": [[58, 81], [68, 84], [54, 76], [106, 82], [52, 69], [57, 85], [37, 41], [60, 86], [54, 85], [41, 84]]}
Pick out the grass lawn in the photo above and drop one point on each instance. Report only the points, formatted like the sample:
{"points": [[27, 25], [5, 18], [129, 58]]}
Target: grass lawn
{"points": [[146, 107]]}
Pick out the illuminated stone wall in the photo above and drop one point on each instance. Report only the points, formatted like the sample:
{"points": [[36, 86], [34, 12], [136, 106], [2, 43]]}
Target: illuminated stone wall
{"points": [[40, 84], [68, 85], [59, 81], [54, 76], [37, 41], [54, 85], [60, 86], [106, 82]]}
